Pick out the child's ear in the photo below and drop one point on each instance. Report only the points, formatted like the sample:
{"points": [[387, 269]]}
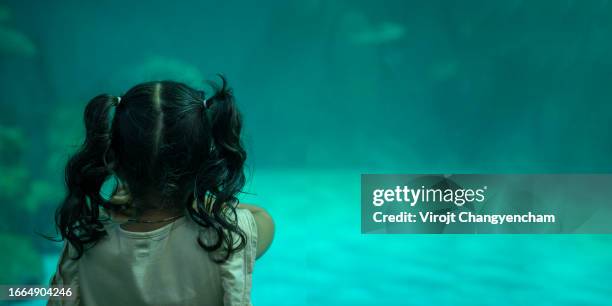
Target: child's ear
{"points": [[120, 204], [122, 196], [208, 203]]}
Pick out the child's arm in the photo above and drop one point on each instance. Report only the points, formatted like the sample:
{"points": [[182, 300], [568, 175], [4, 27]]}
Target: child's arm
{"points": [[265, 227], [66, 274]]}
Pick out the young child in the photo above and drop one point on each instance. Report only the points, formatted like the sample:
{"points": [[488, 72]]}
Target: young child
{"points": [[172, 233]]}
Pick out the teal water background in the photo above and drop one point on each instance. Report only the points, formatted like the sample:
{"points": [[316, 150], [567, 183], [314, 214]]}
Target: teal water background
{"points": [[330, 90]]}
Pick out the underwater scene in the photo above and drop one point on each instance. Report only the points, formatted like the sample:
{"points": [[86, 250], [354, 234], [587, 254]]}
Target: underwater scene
{"points": [[330, 90]]}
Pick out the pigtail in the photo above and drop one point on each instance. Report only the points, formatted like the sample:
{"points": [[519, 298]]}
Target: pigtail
{"points": [[221, 178], [78, 219]]}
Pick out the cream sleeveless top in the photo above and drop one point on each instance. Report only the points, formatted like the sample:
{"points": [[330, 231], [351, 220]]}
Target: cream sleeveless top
{"points": [[165, 266]]}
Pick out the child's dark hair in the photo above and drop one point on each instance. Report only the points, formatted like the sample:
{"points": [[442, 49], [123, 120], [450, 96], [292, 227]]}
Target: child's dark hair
{"points": [[164, 139]]}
